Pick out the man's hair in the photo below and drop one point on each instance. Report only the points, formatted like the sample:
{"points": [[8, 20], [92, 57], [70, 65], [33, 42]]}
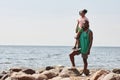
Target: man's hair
{"points": [[87, 22]]}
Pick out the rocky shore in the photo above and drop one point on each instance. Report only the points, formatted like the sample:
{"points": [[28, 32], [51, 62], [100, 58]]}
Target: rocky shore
{"points": [[59, 73]]}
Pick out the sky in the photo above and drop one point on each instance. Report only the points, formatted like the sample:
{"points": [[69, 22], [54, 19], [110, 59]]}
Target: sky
{"points": [[53, 22]]}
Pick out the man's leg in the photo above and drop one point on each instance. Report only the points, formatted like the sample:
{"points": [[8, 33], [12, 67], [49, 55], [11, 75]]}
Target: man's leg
{"points": [[85, 57], [85, 64], [72, 57]]}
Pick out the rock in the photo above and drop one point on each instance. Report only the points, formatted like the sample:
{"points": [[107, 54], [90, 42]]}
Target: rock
{"points": [[59, 67], [98, 74], [112, 76], [4, 77], [40, 70], [4, 72], [29, 71], [56, 78], [49, 74], [65, 79], [40, 77], [16, 69], [21, 76], [26, 77], [49, 67], [8, 78], [67, 72], [1, 75], [116, 71]]}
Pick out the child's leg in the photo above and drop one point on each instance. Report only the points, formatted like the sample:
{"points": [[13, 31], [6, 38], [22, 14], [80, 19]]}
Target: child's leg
{"points": [[75, 44]]}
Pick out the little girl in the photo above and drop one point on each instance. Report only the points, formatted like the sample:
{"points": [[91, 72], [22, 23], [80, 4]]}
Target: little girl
{"points": [[79, 26]]}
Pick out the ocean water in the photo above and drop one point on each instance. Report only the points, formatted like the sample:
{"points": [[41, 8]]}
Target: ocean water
{"points": [[41, 56]]}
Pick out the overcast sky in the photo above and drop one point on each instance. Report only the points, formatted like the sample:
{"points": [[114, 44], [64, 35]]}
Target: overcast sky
{"points": [[53, 22]]}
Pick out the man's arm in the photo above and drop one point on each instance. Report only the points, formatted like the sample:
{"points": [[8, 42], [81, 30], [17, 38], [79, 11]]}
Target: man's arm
{"points": [[91, 41], [77, 27]]}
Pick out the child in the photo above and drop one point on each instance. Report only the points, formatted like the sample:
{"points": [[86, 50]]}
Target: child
{"points": [[80, 24]]}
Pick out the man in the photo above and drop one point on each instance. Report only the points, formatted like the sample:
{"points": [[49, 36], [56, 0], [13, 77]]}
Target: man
{"points": [[85, 40]]}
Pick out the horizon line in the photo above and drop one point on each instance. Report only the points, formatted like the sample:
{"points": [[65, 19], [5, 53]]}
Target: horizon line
{"points": [[54, 45]]}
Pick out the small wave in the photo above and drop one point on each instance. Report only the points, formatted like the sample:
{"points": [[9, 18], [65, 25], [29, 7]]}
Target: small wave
{"points": [[5, 63]]}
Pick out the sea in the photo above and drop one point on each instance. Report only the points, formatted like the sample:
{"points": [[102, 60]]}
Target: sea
{"points": [[41, 56]]}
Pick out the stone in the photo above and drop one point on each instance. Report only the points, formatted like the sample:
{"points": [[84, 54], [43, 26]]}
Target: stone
{"points": [[4, 77], [67, 72], [40, 70], [16, 69], [21, 76], [40, 77], [98, 74], [49, 74], [66, 79], [56, 78], [8, 78], [112, 76], [29, 71], [49, 67], [116, 71]]}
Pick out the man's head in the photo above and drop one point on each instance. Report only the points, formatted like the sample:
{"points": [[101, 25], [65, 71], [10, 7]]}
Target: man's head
{"points": [[86, 25], [82, 12]]}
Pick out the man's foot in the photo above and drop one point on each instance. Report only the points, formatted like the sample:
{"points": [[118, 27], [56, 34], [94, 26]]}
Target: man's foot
{"points": [[86, 72]]}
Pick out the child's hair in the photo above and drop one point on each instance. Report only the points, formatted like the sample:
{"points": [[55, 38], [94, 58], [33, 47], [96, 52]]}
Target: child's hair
{"points": [[84, 11]]}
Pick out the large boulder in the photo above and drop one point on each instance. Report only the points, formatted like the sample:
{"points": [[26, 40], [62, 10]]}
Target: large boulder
{"points": [[99, 74], [40, 77], [67, 72], [116, 71], [112, 76]]}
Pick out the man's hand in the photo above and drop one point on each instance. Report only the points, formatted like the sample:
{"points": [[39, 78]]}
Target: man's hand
{"points": [[88, 52]]}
